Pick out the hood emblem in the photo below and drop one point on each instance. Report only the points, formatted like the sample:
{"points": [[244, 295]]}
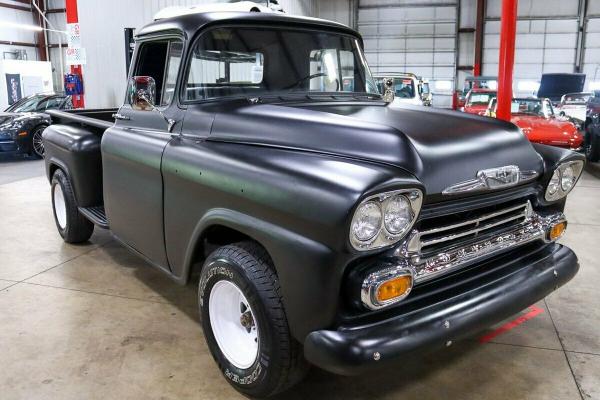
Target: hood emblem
{"points": [[492, 179]]}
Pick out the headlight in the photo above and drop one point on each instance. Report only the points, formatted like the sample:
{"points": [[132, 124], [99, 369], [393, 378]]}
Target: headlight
{"points": [[383, 219], [554, 183], [398, 214], [12, 125], [563, 180], [567, 179], [367, 221]]}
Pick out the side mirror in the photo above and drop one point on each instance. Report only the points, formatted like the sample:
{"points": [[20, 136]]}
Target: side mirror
{"points": [[142, 93], [388, 90]]}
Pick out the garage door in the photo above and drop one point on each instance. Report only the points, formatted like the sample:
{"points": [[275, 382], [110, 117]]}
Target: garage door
{"points": [[412, 36], [546, 41]]}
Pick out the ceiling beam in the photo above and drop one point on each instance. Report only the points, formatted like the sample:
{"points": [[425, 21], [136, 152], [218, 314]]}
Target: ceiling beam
{"points": [[11, 43], [15, 7]]}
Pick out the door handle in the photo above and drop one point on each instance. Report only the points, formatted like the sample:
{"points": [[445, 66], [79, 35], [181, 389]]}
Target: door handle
{"points": [[121, 117]]}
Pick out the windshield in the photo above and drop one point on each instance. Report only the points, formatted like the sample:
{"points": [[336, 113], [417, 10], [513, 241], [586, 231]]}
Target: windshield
{"points": [[262, 61], [578, 98], [480, 99], [27, 104], [531, 107], [479, 84]]}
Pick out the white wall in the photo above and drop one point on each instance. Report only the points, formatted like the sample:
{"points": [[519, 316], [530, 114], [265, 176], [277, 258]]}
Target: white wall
{"points": [[17, 35], [39, 72]]}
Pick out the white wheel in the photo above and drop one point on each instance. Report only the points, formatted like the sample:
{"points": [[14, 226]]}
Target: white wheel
{"points": [[233, 324], [60, 207]]}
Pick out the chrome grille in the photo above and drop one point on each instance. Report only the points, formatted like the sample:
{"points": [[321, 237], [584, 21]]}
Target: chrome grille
{"points": [[438, 238], [446, 243]]}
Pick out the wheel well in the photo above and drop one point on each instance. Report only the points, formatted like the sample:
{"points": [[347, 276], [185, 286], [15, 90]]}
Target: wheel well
{"points": [[212, 238], [52, 169], [44, 124], [254, 9]]}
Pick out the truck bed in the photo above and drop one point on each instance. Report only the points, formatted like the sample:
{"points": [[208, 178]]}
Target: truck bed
{"points": [[95, 119]]}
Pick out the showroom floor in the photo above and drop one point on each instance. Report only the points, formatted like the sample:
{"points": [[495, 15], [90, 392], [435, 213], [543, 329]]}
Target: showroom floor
{"points": [[94, 322]]}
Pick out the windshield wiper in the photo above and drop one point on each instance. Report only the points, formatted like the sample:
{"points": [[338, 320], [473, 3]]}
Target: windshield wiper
{"points": [[323, 96]]}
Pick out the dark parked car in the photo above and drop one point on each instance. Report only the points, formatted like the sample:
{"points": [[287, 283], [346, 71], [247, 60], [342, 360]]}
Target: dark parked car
{"points": [[591, 144], [22, 124], [327, 227]]}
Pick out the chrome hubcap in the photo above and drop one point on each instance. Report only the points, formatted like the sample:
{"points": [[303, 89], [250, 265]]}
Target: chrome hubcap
{"points": [[233, 325], [60, 208], [38, 143]]}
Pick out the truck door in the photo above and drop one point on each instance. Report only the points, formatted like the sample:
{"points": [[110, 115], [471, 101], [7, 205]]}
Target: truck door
{"points": [[132, 152]]}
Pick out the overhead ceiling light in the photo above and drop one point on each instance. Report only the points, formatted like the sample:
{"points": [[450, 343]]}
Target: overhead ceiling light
{"points": [[594, 85], [20, 26], [443, 85], [528, 86]]}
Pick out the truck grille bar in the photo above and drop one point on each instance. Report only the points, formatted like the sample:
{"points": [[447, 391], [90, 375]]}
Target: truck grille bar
{"points": [[443, 246], [444, 236]]}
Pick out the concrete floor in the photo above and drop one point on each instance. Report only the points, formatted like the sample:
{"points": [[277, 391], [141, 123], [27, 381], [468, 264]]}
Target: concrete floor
{"points": [[94, 322], [14, 167]]}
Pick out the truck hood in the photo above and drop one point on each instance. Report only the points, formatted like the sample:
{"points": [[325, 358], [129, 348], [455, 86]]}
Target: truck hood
{"points": [[440, 148]]}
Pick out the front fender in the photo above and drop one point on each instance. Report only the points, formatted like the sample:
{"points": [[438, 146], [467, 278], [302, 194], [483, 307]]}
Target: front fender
{"points": [[297, 205], [304, 267]]}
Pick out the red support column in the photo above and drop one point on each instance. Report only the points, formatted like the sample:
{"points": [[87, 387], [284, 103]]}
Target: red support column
{"points": [[479, 37], [73, 18], [508, 31]]}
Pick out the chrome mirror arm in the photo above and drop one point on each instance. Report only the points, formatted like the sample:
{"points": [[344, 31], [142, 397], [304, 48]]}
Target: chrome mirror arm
{"points": [[170, 122]]}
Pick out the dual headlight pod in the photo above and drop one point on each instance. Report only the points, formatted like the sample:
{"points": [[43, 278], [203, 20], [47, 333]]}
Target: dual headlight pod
{"points": [[383, 219], [563, 180]]}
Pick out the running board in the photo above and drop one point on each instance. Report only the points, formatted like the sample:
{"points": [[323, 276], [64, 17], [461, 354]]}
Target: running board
{"points": [[95, 214]]}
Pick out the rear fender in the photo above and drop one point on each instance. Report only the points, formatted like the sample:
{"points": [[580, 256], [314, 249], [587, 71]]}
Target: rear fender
{"points": [[77, 152]]}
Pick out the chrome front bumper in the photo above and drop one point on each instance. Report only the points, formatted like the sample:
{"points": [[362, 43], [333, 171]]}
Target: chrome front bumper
{"points": [[505, 287], [533, 227]]}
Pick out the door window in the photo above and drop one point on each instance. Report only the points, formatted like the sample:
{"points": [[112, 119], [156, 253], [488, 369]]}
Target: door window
{"points": [[160, 60], [172, 71]]}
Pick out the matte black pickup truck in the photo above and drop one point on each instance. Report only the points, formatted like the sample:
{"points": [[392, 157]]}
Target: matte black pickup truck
{"points": [[326, 227]]}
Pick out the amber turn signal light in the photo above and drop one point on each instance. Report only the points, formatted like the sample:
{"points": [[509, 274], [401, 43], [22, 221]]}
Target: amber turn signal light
{"points": [[396, 287], [557, 230], [21, 134]]}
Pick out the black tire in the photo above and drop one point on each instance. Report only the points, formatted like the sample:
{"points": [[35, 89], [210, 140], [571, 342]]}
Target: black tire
{"points": [[76, 227], [37, 146], [280, 363], [591, 144]]}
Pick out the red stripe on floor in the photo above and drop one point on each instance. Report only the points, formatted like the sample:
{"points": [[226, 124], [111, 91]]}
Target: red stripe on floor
{"points": [[533, 312]]}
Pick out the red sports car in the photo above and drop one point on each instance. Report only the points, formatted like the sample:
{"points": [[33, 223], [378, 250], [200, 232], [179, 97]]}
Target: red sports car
{"points": [[477, 100], [536, 119]]}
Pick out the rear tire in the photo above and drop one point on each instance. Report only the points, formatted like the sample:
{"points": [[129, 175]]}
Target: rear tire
{"points": [[591, 144], [71, 225], [245, 271]]}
